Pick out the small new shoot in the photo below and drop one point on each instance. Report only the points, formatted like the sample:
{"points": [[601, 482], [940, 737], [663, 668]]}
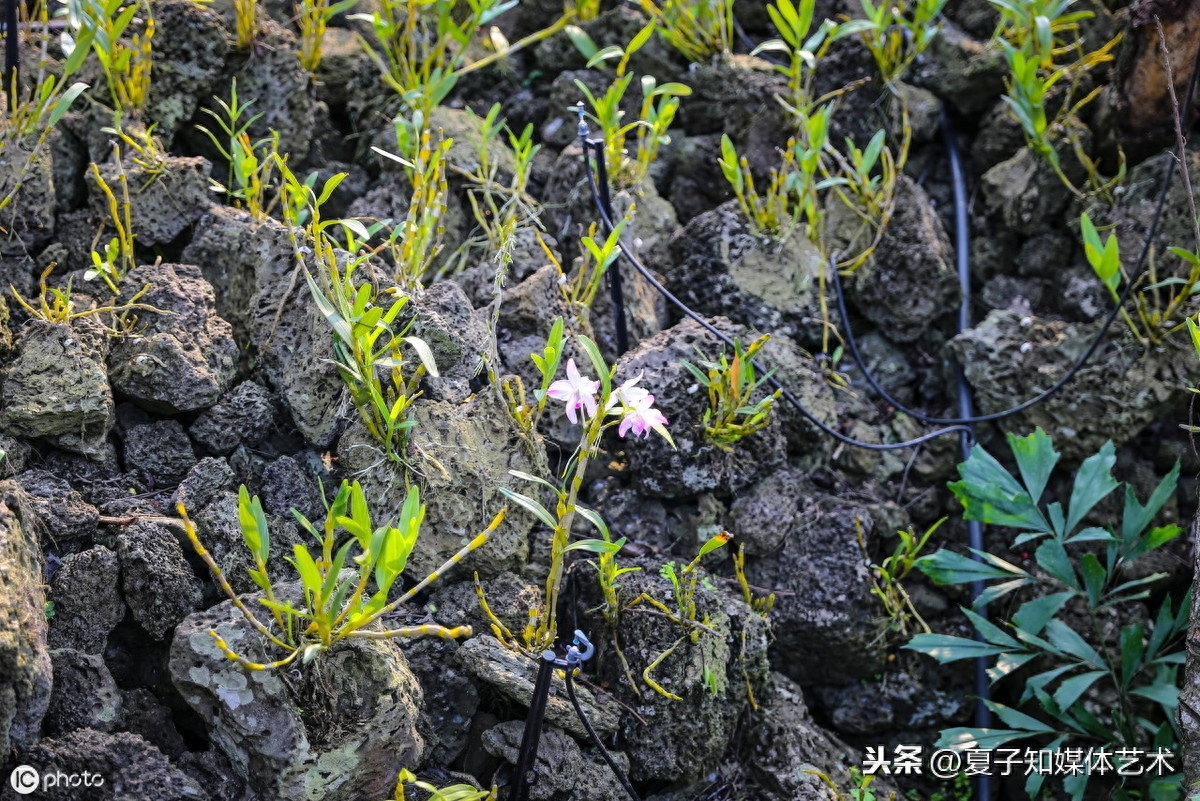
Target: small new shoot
{"points": [[732, 383]]}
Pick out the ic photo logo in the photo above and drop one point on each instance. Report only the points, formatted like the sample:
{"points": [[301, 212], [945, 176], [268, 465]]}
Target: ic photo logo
{"points": [[24, 779]]}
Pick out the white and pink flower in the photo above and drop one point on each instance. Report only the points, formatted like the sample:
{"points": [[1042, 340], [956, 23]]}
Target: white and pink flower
{"points": [[577, 391]]}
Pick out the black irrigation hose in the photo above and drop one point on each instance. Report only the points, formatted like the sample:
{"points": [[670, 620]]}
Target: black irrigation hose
{"points": [[960, 208], [606, 214], [962, 258], [612, 763]]}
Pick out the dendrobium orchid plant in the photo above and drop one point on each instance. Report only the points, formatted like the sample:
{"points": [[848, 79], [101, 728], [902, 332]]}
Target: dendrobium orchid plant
{"points": [[596, 405]]}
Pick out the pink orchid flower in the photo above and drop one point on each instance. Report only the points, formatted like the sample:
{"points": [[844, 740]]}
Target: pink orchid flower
{"points": [[636, 410], [576, 391]]}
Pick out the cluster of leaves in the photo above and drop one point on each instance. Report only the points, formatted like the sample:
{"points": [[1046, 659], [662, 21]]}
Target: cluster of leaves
{"points": [[334, 605], [313, 16], [1158, 305], [368, 342], [416, 242], [420, 48], [1035, 35], [863, 179], [245, 22], [887, 578], [251, 164], [649, 128], [700, 30], [123, 50], [1081, 573], [429, 792], [899, 32], [732, 383]]}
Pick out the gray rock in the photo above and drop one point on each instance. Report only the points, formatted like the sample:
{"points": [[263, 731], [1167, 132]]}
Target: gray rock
{"points": [[564, 770], [294, 345], [161, 204], [131, 768], [85, 695], [246, 414], [87, 600], [160, 587], [281, 89], [825, 632], [287, 486], [144, 715], [1026, 193], [443, 317], [25, 670], [712, 674], [160, 450], [64, 518], [527, 312], [910, 281], [340, 732], [695, 465], [241, 256], [210, 495], [755, 514], [181, 361], [513, 675], [27, 223], [967, 73], [451, 698], [786, 743], [1009, 358], [54, 389], [463, 453], [720, 266], [190, 46]]}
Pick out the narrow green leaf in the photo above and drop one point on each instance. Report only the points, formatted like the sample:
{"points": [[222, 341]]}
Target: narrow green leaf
{"points": [[1071, 689], [530, 505], [1036, 459], [1034, 615]]}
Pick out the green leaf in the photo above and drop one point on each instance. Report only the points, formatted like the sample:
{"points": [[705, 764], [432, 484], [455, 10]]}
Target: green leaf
{"points": [[1133, 648], [1018, 720], [1034, 615], [947, 567], [1166, 695], [596, 546], [536, 479], [1066, 638], [1094, 576], [990, 495], [948, 648], [1093, 483], [424, 354], [253, 521], [1091, 534], [1136, 518], [1036, 458], [601, 367], [1195, 332], [530, 505], [1071, 689], [1037, 683], [310, 576], [595, 519], [1053, 558], [997, 591]]}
